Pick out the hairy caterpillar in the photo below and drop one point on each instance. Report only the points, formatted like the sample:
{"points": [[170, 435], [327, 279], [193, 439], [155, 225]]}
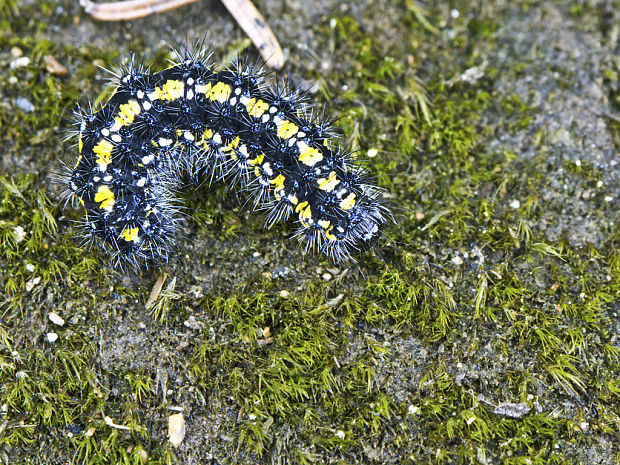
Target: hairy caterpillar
{"points": [[189, 120]]}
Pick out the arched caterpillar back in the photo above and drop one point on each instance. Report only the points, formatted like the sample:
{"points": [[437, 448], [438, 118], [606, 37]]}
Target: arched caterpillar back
{"points": [[189, 119]]}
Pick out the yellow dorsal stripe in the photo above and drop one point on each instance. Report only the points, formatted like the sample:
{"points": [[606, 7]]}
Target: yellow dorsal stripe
{"points": [[256, 108], [203, 89], [287, 129], [128, 112], [103, 150], [307, 155], [172, 90], [220, 92], [329, 183], [131, 234], [348, 202], [105, 197]]}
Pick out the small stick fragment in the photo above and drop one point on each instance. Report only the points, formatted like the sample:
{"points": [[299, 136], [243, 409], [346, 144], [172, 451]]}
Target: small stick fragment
{"points": [[244, 12], [156, 290], [130, 9], [254, 25]]}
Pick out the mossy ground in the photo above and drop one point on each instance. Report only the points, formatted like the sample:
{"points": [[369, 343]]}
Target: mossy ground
{"points": [[496, 291]]}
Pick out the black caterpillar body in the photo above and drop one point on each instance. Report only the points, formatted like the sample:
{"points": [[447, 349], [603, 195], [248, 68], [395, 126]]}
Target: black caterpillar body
{"points": [[189, 120]]}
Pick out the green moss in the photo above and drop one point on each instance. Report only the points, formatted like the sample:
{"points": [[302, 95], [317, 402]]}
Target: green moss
{"points": [[404, 359]]}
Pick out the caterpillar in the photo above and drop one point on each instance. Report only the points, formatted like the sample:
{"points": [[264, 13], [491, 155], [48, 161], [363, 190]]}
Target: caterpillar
{"points": [[190, 121]]}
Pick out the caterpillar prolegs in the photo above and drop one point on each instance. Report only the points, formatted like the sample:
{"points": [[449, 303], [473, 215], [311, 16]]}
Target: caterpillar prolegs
{"points": [[189, 120]]}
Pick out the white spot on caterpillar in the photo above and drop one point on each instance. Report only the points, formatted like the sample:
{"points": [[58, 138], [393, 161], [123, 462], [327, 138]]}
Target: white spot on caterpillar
{"points": [[265, 118], [141, 182], [233, 101], [217, 138], [267, 169], [301, 134], [115, 127], [147, 106], [273, 110], [140, 94], [244, 100], [188, 136], [190, 94], [190, 81], [163, 142], [116, 137], [107, 178], [238, 91], [105, 132], [152, 96], [96, 179]]}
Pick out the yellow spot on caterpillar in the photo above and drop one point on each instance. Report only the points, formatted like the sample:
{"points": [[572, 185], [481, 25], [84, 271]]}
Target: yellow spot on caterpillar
{"points": [[220, 92], [303, 204], [329, 235], [308, 155], [304, 214], [172, 90], [278, 183], [287, 129], [103, 150], [329, 183], [131, 235], [324, 224], [128, 112], [256, 108], [234, 143], [208, 134], [258, 160], [203, 89], [348, 202], [105, 197], [80, 144]]}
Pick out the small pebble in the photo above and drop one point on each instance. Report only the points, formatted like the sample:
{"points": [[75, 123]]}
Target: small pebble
{"points": [[457, 260], [515, 204], [413, 409], [52, 337], [53, 67], [176, 429], [30, 267], [56, 319], [372, 153], [24, 104], [30, 284], [19, 234], [19, 62]]}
